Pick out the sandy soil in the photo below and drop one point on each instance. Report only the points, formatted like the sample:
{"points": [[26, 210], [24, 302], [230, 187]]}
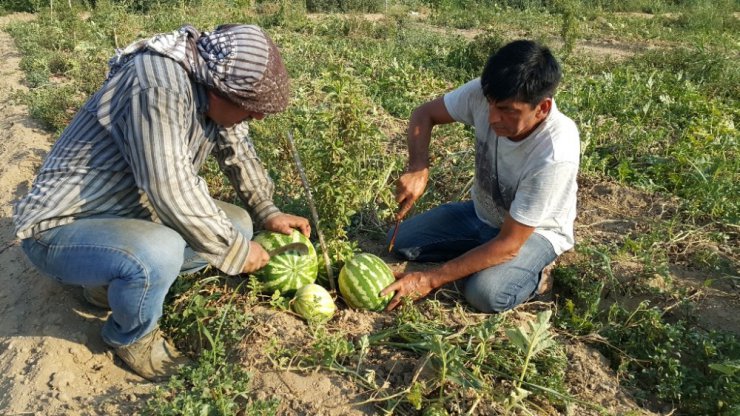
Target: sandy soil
{"points": [[53, 362]]}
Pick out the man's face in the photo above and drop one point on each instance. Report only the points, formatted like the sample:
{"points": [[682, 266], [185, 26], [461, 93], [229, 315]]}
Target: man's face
{"points": [[516, 119], [226, 113]]}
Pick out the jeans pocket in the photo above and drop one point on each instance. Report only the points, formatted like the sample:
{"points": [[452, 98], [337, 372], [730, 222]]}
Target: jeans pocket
{"points": [[45, 237]]}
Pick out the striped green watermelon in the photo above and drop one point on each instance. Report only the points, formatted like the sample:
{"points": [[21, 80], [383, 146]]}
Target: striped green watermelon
{"points": [[361, 280], [287, 272], [314, 303]]}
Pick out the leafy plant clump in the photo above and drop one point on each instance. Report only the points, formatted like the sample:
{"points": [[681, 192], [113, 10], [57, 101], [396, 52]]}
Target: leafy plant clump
{"points": [[209, 320]]}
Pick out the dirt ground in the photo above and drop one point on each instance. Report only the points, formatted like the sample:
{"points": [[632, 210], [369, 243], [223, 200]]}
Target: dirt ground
{"points": [[53, 362]]}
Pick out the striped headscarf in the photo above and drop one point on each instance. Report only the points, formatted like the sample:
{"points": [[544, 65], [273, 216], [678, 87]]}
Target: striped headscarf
{"points": [[239, 61]]}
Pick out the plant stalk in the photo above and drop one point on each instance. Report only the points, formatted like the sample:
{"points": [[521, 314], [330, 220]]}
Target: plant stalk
{"points": [[314, 212]]}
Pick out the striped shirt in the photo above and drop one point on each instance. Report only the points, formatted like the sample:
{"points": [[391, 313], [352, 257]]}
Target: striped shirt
{"points": [[134, 150]]}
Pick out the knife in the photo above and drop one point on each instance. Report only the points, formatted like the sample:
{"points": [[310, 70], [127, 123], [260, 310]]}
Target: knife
{"points": [[395, 233], [298, 247]]}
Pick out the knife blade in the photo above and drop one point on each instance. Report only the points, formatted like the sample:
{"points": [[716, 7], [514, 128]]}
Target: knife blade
{"points": [[298, 247], [395, 233]]}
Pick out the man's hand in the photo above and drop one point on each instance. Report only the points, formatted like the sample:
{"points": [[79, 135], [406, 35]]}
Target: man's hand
{"points": [[415, 285], [285, 223], [409, 188], [257, 258]]}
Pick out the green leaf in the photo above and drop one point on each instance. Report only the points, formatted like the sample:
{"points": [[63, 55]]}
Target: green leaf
{"points": [[519, 338], [516, 396], [535, 337], [727, 368]]}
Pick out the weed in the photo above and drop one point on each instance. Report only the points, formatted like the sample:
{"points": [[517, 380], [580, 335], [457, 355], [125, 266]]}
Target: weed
{"points": [[212, 386], [677, 362], [206, 317], [530, 340], [672, 361]]}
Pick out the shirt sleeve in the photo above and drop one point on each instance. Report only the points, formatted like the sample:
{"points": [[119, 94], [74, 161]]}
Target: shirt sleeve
{"points": [[462, 102], [239, 161], [152, 140], [543, 195]]}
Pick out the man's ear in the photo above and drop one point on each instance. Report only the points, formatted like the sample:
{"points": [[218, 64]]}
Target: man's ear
{"points": [[544, 107]]}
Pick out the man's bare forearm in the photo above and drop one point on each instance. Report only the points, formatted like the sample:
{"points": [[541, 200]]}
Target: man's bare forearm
{"points": [[504, 247], [418, 137], [480, 258]]}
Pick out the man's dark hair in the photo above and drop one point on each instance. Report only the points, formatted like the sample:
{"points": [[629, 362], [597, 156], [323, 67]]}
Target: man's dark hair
{"points": [[522, 70]]}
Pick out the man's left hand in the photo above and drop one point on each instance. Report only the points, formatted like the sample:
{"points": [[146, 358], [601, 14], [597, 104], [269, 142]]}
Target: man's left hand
{"points": [[286, 223], [415, 285]]}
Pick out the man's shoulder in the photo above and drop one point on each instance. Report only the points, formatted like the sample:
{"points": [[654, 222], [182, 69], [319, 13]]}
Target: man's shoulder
{"points": [[561, 138], [561, 128], [471, 90], [157, 71], [561, 123], [466, 103]]}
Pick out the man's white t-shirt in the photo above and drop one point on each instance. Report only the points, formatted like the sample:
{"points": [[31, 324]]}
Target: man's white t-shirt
{"points": [[534, 179]]}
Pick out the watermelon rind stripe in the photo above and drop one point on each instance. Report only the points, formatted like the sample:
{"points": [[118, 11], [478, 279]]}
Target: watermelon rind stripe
{"points": [[360, 290]]}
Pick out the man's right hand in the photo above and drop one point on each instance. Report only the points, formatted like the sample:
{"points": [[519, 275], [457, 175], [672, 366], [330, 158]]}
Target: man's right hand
{"points": [[257, 258], [409, 188]]}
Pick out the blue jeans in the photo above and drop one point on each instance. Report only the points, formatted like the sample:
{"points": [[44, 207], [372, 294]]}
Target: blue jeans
{"points": [[450, 230], [137, 259]]}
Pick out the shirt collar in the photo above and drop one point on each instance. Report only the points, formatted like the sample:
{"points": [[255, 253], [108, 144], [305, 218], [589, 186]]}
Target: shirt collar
{"points": [[201, 97]]}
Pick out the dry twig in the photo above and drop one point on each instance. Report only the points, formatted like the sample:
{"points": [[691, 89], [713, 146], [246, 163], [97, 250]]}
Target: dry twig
{"points": [[314, 212]]}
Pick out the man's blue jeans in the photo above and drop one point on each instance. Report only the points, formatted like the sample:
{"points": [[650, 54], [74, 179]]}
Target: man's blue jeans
{"points": [[450, 230], [137, 259]]}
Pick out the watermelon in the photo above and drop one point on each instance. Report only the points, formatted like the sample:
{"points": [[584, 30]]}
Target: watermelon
{"points": [[361, 280], [314, 303], [436, 409], [289, 271]]}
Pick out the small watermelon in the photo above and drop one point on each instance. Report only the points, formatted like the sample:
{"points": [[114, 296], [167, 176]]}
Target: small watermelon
{"points": [[314, 303], [361, 280], [436, 409], [289, 271]]}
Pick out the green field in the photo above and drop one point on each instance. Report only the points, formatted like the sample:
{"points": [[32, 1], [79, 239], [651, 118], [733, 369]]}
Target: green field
{"points": [[654, 90]]}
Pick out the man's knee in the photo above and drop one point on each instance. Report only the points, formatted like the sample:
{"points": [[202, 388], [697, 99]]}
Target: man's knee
{"points": [[492, 292], [161, 253], [239, 217], [489, 302]]}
